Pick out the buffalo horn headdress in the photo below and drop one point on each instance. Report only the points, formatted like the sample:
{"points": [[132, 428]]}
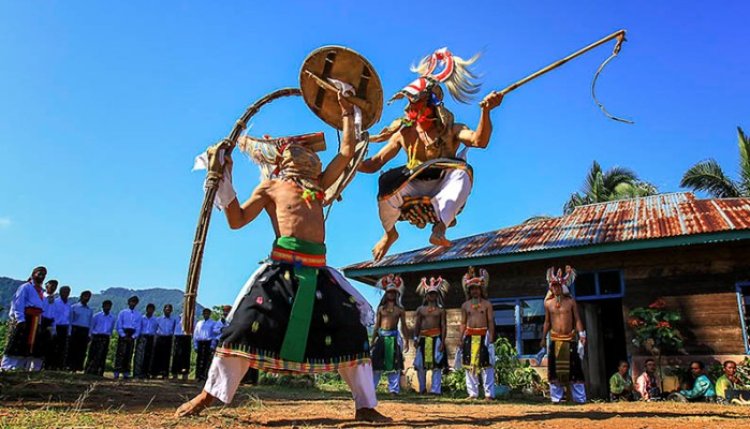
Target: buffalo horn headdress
{"points": [[435, 284], [389, 283], [470, 280], [557, 276]]}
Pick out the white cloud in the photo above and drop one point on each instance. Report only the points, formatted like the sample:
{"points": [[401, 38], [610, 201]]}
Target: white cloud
{"points": [[4, 222]]}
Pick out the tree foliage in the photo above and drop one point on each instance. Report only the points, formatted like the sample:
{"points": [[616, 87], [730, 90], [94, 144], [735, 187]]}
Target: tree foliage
{"points": [[708, 176], [614, 184]]}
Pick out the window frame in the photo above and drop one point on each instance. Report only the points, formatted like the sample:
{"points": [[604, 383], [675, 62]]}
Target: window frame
{"points": [[517, 318], [743, 290], [598, 295]]}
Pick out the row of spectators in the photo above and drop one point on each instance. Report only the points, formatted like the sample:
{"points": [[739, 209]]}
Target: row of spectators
{"points": [[47, 332], [727, 389]]}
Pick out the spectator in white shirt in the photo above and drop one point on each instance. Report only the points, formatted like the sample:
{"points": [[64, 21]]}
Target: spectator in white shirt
{"points": [[204, 343], [102, 325], [128, 329]]}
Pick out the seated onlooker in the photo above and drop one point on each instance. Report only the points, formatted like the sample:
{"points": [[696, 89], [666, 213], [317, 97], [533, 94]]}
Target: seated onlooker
{"points": [[729, 387], [703, 388], [648, 383], [620, 384]]}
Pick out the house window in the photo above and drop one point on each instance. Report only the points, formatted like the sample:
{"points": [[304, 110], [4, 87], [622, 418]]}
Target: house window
{"points": [[598, 285], [743, 299], [521, 321]]}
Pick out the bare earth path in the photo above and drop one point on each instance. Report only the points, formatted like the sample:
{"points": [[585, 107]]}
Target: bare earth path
{"points": [[81, 402]]}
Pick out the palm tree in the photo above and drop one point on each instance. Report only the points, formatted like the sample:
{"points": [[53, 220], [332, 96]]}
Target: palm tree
{"points": [[708, 175], [617, 183]]}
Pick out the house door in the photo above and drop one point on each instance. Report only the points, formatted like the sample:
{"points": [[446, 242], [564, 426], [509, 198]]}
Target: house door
{"points": [[605, 329]]}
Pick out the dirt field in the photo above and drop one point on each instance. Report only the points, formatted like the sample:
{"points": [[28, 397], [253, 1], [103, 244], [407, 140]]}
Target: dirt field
{"points": [[57, 401]]}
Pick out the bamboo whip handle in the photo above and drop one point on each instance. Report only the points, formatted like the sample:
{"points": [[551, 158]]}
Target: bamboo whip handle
{"points": [[619, 35]]}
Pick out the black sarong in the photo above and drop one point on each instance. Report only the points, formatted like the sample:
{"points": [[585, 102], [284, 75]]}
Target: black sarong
{"points": [[56, 354], [144, 352], [484, 352], [77, 344], [394, 179], [380, 361], [22, 336], [433, 363], [204, 354], [335, 335], [564, 364], [124, 354], [98, 351], [162, 356], [44, 339], [181, 356]]}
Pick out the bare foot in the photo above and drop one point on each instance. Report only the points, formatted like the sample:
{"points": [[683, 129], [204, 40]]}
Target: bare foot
{"points": [[194, 406], [438, 235], [381, 248], [371, 415]]}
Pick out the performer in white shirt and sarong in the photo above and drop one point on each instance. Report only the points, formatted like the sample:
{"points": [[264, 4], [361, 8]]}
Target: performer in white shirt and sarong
{"points": [[128, 329], [144, 345], [204, 343], [102, 326], [80, 332], [165, 328], [25, 323], [58, 353], [45, 342]]}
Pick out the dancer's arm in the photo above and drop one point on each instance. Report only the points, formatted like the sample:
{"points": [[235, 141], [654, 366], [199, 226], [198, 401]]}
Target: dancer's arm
{"points": [[405, 331], [347, 148], [239, 216], [387, 153], [546, 327], [481, 137]]}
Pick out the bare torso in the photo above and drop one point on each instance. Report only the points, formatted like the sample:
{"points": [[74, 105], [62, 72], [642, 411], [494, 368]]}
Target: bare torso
{"points": [[562, 320], [426, 145], [477, 315], [389, 316], [430, 317], [290, 214]]}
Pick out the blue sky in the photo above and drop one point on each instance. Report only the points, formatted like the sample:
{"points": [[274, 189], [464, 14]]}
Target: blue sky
{"points": [[105, 104]]}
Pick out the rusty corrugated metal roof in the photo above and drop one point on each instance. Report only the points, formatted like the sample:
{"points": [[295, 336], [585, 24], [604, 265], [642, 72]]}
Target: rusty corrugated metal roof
{"points": [[646, 218]]}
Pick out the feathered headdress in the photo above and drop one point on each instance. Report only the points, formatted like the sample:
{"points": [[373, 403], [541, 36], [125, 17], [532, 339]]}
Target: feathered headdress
{"points": [[557, 277], [438, 285], [470, 280], [389, 283]]}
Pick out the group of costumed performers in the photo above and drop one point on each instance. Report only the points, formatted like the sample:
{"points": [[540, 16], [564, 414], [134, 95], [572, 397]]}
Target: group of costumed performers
{"points": [[477, 352], [567, 337], [295, 314], [388, 345], [435, 172], [430, 328], [24, 349]]}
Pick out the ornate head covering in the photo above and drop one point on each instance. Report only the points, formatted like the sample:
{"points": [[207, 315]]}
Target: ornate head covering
{"points": [[435, 284], [287, 158], [425, 94], [557, 277], [391, 282], [471, 280]]}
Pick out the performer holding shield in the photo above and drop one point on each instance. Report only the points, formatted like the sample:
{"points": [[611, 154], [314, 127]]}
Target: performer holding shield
{"points": [[435, 174], [295, 314]]}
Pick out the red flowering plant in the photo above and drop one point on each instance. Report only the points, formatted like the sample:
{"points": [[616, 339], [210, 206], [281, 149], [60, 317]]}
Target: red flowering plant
{"points": [[654, 330]]}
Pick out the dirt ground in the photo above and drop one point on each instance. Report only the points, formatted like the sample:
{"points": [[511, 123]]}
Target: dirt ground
{"points": [[82, 402]]}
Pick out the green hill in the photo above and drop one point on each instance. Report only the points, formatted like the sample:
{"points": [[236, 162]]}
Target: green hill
{"points": [[118, 296]]}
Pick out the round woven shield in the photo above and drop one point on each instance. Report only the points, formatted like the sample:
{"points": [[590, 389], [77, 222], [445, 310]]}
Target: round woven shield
{"points": [[346, 65]]}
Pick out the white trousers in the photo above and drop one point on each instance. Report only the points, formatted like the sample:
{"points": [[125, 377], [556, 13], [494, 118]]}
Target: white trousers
{"points": [[226, 373], [557, 391], [448, 195], [14, 363], [394, 380], [488, 381], [437, 380]]}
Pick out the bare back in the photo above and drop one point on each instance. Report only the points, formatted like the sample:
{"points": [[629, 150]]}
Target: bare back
{"points": [[290, 214]]}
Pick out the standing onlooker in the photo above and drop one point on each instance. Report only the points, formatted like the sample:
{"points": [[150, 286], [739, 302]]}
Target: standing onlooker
{"points": [[80, 324], [648, 383], [702, 390], [204, 342], [45, 342], [128, 328], [102, 325], [165, 327], [144, 347], [620, 384], [181, 355], [57, 353], [25, 322]]}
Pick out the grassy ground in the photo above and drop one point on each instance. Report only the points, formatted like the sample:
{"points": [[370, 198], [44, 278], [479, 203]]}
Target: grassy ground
{"points": [[56, 400]]}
